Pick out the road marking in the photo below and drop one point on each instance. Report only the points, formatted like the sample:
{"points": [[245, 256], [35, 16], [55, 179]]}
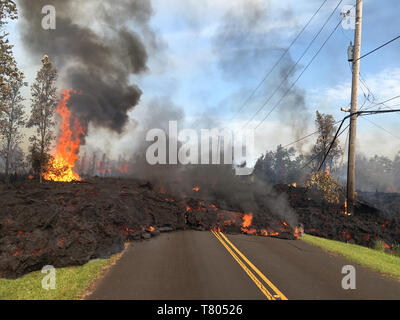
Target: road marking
{"points": [[278, 294], [270, 284], [249, 273]]}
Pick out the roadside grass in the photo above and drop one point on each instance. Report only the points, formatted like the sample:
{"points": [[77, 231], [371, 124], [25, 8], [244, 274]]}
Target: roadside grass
{"points": [[71, 282], [379, 261]]}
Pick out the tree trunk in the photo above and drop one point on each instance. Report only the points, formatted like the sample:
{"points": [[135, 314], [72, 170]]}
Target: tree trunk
{"points": [[7, 169], [41, 173]]}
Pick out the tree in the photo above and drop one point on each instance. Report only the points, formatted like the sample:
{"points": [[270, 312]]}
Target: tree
{"points": [[326, 132], [44, 104], [281, 166], [8, 68], [11, 121]]}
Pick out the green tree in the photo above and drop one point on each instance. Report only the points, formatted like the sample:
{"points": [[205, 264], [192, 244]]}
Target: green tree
{"points": [[280, 166], [8, 67], [326, 132], [12, 119], [44, 104]]}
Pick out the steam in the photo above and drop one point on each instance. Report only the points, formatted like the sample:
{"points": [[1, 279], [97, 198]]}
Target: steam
{"points": [[95, 59]]}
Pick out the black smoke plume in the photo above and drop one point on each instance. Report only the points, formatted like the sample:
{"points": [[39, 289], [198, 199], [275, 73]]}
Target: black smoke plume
{"points": [[96, 52]]}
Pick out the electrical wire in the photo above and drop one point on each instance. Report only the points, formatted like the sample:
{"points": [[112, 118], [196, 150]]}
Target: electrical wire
{"points": [[277, 63], [298, 78], [380, 47], [294, 66]]}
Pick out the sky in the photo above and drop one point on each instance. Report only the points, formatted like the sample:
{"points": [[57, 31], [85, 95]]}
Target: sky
{"points": [[213, 54]]}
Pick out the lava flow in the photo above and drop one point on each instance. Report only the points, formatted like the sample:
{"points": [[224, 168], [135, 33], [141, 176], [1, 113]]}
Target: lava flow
{"points": [[63, 162]]}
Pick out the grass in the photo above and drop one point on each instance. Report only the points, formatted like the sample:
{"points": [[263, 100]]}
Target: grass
{"points": [[379, 261], [71, 282]]}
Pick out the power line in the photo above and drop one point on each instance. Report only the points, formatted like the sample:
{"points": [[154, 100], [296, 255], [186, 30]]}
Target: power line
{"points": [[337, 135], [307, 136], [298, 78], [382, 128], [322, 151], [380, 47], [383, 103], [294, 66], [277, 63]]}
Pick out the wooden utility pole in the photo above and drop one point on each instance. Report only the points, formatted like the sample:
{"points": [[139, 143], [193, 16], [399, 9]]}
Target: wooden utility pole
{"points": [[353, 119]]}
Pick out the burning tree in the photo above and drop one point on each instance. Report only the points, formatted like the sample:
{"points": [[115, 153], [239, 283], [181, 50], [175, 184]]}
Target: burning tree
{"points": [[62, 166], [44, 103]]}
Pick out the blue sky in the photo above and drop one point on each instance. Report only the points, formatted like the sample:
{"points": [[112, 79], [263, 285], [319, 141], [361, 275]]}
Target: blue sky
{"points": [[213, 55]]}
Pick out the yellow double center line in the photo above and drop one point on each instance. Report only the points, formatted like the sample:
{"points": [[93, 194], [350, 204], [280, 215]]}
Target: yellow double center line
{"points": [[265, 285]]}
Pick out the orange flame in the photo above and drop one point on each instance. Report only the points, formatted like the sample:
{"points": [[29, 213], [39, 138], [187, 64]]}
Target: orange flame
{"points": [[196, 189], [124, 168], [327, 171], [61, 167], [247, 220], [298, 232]]}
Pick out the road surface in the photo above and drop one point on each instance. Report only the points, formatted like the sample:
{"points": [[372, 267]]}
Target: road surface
{"points": [[209, 265]]}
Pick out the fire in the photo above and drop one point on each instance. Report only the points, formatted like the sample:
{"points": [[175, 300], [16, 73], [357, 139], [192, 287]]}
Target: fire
{"points": [[124, 168], [298, 232], [386, 246], [345, 207], [327, 171], [247, 220], [63, 163], [196, 189], [163, 190]]}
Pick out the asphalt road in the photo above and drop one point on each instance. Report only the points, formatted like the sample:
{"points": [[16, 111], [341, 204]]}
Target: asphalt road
{"points": [[206, 265]]}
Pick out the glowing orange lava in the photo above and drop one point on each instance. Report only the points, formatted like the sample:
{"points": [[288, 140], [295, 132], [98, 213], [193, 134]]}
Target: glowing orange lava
{"points": [[66, 155], [247, 220]]}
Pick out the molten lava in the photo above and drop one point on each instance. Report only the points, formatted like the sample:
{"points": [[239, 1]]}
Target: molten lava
{"points": [[247, 220], [62, 165]]}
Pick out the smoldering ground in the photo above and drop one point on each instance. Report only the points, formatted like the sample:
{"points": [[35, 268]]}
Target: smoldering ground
{"points": [[217, 183]]}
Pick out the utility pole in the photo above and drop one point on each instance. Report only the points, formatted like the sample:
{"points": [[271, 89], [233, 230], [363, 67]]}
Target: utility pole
{"points": [[353, 119]]}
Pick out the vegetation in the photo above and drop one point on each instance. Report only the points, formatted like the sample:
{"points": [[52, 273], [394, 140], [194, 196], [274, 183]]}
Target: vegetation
{"points": [[12, 119], [71, 283], [378, 173], [327, 184], [44, 103], [280, 166], [8, 67], [326, 132], [379, 261], [11, 81]]}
